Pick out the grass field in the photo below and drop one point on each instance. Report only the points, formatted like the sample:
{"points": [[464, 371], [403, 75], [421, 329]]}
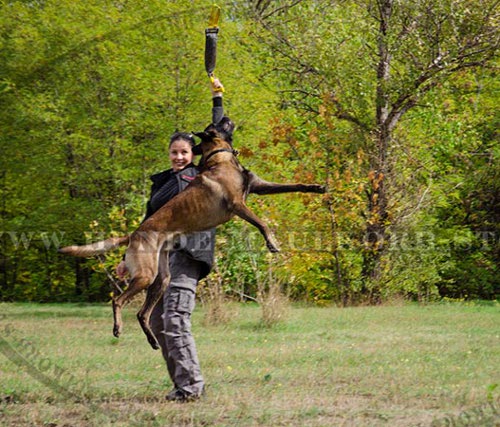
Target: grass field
{"points": [[400, 365]]}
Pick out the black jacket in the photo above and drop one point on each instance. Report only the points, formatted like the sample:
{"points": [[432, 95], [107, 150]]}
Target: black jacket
{"points": [[166, 185]]}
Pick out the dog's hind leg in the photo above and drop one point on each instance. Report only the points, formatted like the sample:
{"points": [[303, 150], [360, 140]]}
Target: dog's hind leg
{"points": [[259, 186], [137, 284], [142, 262], [154, 294], [245, 213]]}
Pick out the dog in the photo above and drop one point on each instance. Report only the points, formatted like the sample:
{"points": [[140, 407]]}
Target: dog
{"points": [[216, 194]]}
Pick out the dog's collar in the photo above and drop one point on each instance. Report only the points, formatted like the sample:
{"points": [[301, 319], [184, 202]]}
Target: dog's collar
{"points": [[221, 150]]}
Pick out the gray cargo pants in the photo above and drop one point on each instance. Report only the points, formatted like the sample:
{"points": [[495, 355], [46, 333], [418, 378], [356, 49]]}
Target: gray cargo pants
{"points": [[171, 323]]}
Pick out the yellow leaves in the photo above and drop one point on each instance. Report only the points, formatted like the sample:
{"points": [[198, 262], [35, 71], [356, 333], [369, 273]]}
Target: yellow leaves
{"points": [[360, 155], [376, 179], [380, 178], [313, 136], [309, 177], [448, 105], [283, 132], [246, 152], [348, 176], [306, 200], [322, 110]]}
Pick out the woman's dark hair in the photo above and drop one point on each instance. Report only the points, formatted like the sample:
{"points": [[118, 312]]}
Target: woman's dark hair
{"points": [[184, 136]]}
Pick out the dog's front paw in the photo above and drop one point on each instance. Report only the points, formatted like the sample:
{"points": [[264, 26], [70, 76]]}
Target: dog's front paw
{"points": [[273, 247], [272, 243], [316, 188]]}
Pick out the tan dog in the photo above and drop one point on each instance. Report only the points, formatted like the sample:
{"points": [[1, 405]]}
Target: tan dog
{"points": [[213, 198]]}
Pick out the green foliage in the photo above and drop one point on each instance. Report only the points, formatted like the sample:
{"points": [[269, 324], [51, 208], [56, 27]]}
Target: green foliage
{"points": [[91, 91], [90, 94], [453, 156], [350, 74]]}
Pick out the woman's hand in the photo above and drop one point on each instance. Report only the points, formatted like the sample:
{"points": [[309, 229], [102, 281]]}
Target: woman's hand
{"points": [[216, 87], [121, 270]]}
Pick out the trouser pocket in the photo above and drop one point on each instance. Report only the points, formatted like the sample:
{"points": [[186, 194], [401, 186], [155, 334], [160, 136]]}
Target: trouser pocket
{"points": [[180, 304], [180, 300], [186, 301]]}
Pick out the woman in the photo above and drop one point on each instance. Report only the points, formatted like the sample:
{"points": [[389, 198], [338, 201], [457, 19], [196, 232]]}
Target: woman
{"points": [[190, 261]]}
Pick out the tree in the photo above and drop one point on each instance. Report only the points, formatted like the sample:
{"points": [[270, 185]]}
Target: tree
{"points": [[370, 97], [87, 112], [369, 63], [89, 94]]}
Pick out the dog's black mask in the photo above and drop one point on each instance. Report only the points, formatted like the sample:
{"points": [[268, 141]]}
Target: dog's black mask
{"points": [[224, 129]]}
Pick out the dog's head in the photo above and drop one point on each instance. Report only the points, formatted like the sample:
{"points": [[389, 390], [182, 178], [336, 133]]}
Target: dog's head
{"points": [[215, 134]]}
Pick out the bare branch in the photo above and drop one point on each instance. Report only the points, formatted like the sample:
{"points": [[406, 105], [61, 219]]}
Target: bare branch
{"points": [[279, 9], [341, 114]]}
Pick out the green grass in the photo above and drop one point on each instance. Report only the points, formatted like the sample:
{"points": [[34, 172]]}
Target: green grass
{"points": [[405, 365]]}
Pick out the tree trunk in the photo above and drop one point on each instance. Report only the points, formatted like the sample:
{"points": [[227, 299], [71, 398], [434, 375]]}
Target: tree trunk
{"points": [[376, 236], [81, 277], [376, 226], [344, 291]]}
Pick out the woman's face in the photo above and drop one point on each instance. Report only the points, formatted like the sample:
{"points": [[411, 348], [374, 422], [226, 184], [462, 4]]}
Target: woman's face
{"points": [[180, 154]]}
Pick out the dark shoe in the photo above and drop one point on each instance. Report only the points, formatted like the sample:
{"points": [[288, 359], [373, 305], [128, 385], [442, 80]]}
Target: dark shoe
{"points": [[177, 395]]}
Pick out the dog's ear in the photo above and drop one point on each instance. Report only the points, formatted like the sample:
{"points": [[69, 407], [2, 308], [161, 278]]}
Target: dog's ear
{"points": [[226, 127], [202, 135], [208, 134], [197, 150]]}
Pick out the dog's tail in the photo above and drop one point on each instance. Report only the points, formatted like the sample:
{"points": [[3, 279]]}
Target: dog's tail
{"points": [[95, 248]]}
